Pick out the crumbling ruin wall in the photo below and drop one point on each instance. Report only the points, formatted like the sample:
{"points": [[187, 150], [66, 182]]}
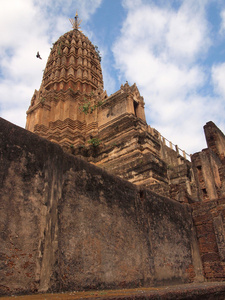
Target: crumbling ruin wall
{"points": [[66, 224], [209, 165], [206, 167], [215, 140], [209, 212], [209, 219]]}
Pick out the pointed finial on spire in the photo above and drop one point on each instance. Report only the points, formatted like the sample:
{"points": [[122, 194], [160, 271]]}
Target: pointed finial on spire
{"points": [[76, 22]]}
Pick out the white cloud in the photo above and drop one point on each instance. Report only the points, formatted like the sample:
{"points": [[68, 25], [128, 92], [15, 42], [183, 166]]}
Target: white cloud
{"points": [[159, 48], [15, 116], [23, 36], [68, 8], [218, 78], [222, 26], [17, 18], [16, 98], [187, 32]]}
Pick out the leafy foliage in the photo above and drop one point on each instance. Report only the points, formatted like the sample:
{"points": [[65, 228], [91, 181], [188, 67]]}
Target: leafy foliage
{"points": [[87, 108], [98, 53], [94, 142]]}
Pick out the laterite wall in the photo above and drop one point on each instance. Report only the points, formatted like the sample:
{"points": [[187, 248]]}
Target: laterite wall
{"points": [[68, 225]]}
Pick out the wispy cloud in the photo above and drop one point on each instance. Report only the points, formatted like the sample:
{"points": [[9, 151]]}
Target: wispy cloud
{"points": [[218, 78], [23, 35], [162, 48], [84, 7], [222, 26]]}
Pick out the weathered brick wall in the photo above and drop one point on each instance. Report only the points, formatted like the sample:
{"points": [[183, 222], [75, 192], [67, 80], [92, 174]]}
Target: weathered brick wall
{"points": [[209, 219], [66, 224]]}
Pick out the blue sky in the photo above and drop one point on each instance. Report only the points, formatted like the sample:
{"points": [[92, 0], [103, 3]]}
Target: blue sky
{"points": [[173, 50]]}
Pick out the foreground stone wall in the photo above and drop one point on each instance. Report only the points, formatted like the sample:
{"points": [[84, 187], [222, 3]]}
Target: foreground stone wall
{"points": [[68, 225]]}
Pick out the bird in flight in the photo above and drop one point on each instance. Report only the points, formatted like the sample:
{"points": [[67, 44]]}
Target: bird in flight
{"points": [[38, 55]]}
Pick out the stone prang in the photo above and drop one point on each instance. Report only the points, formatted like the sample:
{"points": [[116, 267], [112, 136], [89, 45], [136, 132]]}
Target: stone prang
{"points": [[92, 197]]}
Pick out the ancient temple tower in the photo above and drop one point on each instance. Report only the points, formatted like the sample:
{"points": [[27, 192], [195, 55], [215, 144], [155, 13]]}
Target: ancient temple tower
{"points": [[72, 109], [72, 81]]}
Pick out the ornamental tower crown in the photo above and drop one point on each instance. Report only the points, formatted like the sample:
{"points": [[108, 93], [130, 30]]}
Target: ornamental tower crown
{"points": [[73, 63]]}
